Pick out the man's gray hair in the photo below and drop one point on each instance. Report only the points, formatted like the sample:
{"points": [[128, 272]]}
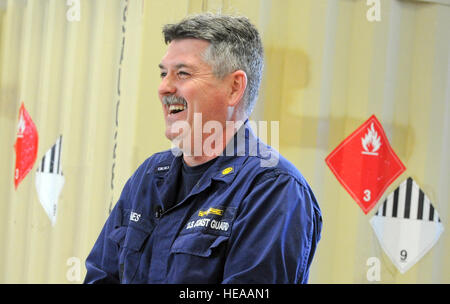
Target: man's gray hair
{"points": [[235, 45]]}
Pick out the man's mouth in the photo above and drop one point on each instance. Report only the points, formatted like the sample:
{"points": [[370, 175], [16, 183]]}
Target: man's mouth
{"points": [[176, 108], [174, 104]]}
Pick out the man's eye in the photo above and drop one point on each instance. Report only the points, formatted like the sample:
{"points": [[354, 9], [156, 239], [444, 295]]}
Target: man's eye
{"points": [[163, 74], [183, 74]]}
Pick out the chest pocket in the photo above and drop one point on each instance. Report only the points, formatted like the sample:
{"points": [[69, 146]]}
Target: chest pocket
{"points": [[130, 236], [198, 252], [197, 258]]}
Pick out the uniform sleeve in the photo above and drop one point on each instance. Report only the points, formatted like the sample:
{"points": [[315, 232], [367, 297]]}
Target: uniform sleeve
{"points": [[275, 234], [102, 263]]}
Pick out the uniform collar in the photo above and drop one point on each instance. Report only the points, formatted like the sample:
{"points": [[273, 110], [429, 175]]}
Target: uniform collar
{"points": [[226, 166]]}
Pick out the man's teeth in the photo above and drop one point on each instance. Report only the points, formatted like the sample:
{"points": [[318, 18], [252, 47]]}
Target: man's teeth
{"points": [[176, 108]]}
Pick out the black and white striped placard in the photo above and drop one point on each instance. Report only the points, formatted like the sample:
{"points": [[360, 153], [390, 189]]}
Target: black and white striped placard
{"points": [[50, 180], [51, 162], [408, 201], [407, 225]]}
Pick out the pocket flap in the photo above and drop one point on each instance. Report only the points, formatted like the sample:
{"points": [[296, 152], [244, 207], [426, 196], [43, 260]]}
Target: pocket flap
{"points": [[200, 244], [118, 234]]}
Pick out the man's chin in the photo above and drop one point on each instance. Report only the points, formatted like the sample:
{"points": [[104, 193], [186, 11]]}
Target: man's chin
{"points": [[170, 132], [170, 136], [177, 139], [177, 129]]}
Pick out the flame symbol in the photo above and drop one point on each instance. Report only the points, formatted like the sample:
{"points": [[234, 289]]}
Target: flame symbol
{"points": [[371, 142]]}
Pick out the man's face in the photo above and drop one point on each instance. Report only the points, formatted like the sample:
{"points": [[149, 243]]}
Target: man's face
{"points": [[186, 76]]}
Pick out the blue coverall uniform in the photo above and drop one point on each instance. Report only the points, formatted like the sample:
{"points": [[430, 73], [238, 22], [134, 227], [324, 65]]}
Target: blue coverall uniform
{"points": [[241, 223]]}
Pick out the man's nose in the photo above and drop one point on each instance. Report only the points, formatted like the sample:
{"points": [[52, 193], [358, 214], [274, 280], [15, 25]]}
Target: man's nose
{"points": [[167, 86]]}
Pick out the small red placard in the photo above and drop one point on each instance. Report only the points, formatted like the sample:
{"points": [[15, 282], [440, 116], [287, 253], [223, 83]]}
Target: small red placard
{"points": [[365, 164], [26, 146]]}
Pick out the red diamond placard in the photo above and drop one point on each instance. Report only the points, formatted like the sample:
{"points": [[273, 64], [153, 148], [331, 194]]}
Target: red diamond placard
{"points": [[365, 164], [26, 146]]}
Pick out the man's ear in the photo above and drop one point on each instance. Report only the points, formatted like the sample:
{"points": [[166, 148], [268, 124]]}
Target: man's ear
{"points": [[238, 84]]}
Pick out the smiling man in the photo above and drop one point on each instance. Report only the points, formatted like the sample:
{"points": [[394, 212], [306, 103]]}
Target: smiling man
{"points": [[213, 209]]}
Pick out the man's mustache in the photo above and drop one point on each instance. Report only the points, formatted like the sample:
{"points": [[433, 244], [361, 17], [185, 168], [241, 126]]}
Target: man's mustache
{"points": [[172, 99]]}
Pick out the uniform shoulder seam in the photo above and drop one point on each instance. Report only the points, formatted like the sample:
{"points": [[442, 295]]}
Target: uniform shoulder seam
{"points": [[276, 172]]}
